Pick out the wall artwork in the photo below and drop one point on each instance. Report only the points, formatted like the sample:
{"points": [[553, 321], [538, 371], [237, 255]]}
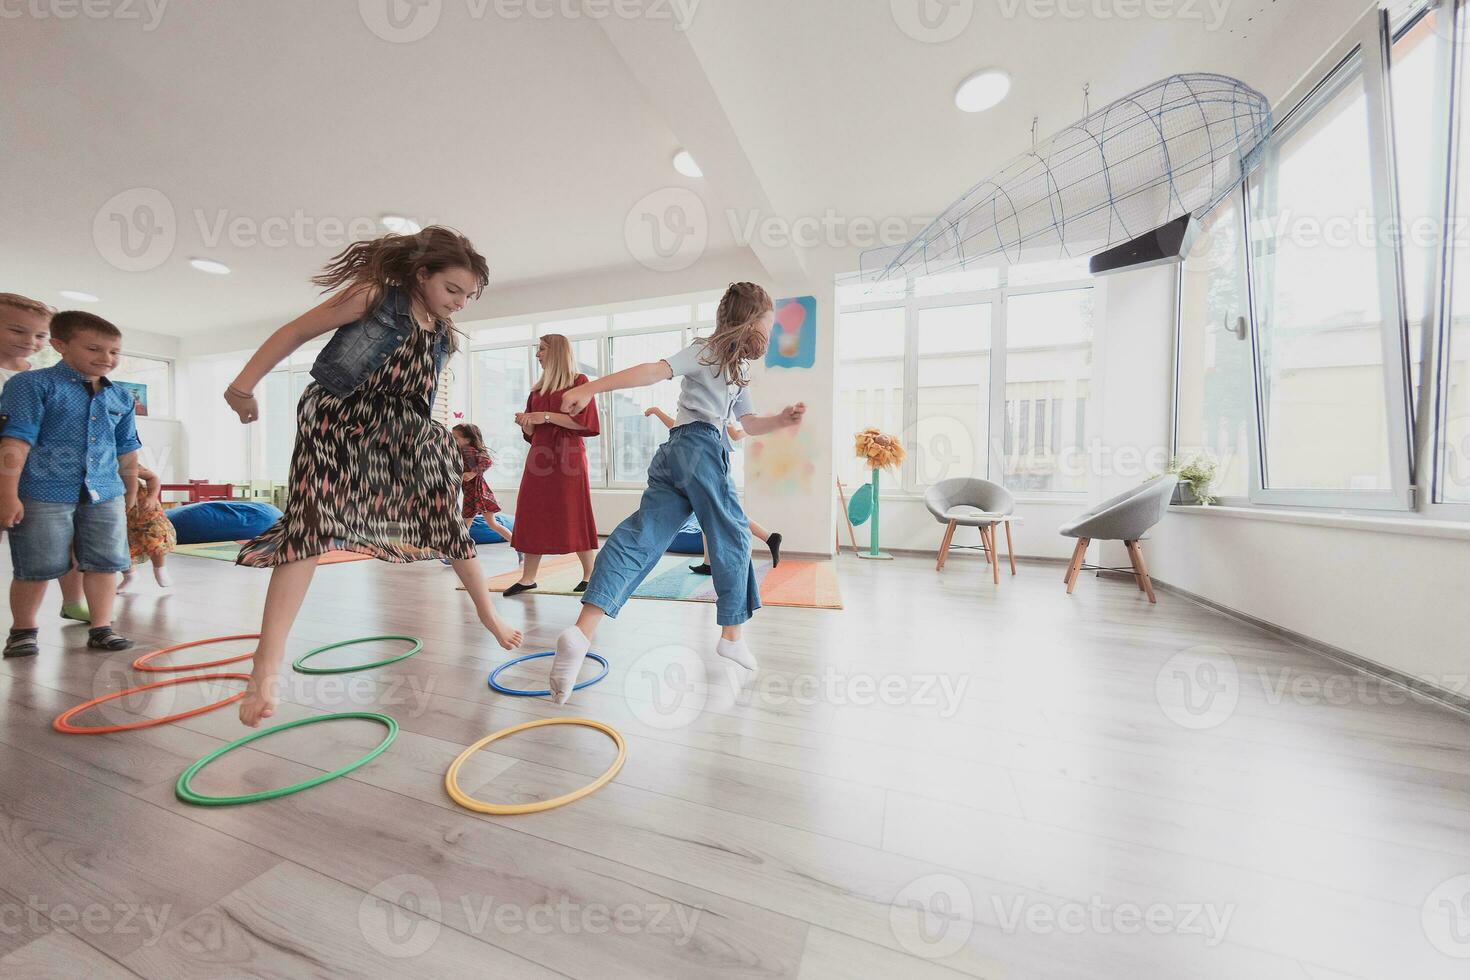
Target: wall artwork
{"points": [[794, 334], [139, 394], [781, 463]]}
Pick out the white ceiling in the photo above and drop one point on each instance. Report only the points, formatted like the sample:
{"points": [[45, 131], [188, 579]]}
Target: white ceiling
{"points": [[536, 136]]}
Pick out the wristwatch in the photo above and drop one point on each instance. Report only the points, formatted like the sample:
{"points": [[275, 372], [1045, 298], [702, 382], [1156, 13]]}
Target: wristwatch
{"points": [[545, 417]]}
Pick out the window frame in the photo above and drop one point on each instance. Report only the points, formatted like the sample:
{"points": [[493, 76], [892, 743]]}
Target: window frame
{"points": [[912, 304], [1370, 39], [1432, 419]]}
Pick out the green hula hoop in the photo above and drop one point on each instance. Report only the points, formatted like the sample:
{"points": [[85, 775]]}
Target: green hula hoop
{"points": [[296, 665], [184, 792]]}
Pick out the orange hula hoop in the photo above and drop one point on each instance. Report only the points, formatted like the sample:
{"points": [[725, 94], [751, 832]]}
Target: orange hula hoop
{"points": [[63, 720], [142, 662]]}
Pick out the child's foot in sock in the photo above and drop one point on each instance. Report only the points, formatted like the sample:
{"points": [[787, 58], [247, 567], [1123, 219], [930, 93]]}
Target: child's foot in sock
{"points": [[22, 643], [77, 611], [774, 543], [162, 577], [571, 648], [124, 582], [736, 651]]}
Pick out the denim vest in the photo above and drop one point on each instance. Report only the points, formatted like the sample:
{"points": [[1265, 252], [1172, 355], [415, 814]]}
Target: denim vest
{"points": [[358, 349]]}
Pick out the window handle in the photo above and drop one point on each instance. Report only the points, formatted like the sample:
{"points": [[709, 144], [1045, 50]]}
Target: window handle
{"points": [[1239, 328]]}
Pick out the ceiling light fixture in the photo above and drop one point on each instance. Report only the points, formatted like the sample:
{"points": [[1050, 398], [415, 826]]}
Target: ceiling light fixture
{"points": [[79, 296], [399, 225], [210, 266], [982, 90], [684, 163]]}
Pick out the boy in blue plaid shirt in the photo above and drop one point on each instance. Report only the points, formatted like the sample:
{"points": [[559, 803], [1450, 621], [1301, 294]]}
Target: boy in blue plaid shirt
{"points": [[68, 473]]}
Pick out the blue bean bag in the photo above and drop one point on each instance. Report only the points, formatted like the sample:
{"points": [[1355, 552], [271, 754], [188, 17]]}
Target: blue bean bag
{"points": [[484, 533], [221, 520], [689, 540]]}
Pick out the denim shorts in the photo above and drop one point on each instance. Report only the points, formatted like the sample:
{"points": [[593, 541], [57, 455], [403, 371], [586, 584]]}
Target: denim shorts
{"points": [[42, 544]]}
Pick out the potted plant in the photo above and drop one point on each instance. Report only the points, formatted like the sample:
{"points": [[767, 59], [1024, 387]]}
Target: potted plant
{"points": [[1196, 475]]}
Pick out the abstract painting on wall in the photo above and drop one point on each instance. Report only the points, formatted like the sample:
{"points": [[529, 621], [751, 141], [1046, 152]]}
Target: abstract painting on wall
{"points": [[781, 462], [794, 334]]}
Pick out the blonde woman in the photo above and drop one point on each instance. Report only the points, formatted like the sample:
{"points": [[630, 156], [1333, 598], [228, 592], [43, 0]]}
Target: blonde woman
{"points": [[554, 507]]}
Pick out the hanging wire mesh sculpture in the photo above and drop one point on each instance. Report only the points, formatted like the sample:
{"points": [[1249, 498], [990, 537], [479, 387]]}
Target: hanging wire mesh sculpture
{"points": [[1172, 148]]}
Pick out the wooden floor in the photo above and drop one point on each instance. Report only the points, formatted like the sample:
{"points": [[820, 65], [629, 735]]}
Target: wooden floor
{"points": [[945, 778]]}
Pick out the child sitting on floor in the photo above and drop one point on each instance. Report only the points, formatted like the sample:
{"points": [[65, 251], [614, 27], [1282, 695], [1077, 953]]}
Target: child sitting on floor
{"points": [[150, 534]]}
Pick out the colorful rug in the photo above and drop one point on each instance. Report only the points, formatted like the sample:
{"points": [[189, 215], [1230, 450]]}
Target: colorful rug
{"points": [[812, 584], [230, 550]]}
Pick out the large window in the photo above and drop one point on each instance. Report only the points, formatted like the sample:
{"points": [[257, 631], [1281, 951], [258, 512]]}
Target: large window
{"points": [[500, 383], [925, 360], [635, 435], [1324, 302], [1048, 368], [1213, 413]]}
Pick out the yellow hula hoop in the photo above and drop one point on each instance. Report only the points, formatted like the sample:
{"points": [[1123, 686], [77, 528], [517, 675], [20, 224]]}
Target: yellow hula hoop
{"points": [[451, 778]]}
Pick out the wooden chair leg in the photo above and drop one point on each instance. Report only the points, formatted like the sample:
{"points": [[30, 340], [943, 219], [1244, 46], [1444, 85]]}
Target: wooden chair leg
{"points": [[944, 548], [1132, 547], [1010, 548], [1148, 583], [1078, 554], [984, 545], [989, 533]]}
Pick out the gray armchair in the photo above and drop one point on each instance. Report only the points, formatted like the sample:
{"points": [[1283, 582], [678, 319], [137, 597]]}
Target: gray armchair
{"points": [[1126, 518], [966, 502]]}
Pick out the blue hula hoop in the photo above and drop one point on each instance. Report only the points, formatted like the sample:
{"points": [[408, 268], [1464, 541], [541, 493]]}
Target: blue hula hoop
{"points": [[497, 686]]}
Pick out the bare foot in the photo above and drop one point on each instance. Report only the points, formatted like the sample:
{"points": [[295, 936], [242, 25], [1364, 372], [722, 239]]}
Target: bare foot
{"points": [[260, 698], [508, 638]]}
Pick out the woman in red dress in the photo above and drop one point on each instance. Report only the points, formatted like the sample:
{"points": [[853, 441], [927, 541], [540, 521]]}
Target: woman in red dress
{"points": [[554, 507]]}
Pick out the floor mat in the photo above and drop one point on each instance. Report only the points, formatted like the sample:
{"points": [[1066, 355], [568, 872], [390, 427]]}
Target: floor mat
{"points": [[811, 584]]}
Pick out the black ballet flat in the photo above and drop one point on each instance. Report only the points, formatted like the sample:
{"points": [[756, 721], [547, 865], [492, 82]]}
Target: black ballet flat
{"points": [[581, 586], [774, 543], [701, 570], [517, 589]]}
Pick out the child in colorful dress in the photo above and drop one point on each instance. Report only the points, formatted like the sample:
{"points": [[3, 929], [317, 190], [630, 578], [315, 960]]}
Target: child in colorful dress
{"points": [[372, 472], [690, 474], [150, 534]]}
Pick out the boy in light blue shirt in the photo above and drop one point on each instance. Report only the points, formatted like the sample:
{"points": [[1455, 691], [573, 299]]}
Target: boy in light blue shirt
{"points": [[68, 472]]}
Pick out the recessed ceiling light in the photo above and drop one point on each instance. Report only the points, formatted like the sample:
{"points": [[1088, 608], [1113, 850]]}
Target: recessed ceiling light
{"points": [[684, 163], [399, 225], [982, 90], [210, 266], [79, 296]]}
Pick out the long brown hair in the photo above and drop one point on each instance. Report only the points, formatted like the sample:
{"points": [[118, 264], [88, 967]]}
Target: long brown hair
{"points": [[395, 260], [559, 369], [472, 432], [736, 340]]}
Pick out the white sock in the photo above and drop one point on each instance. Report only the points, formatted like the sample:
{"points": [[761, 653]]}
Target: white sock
{"points": [[571, 649], [737, 651], [162, 577]]}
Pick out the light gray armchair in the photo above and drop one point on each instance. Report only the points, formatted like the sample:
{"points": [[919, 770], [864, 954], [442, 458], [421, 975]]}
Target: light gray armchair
{"points": [[966, 502], [1126, 518]]}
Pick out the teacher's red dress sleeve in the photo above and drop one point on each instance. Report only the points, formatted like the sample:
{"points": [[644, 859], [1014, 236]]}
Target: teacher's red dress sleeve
{"points": [[587, 418]]}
